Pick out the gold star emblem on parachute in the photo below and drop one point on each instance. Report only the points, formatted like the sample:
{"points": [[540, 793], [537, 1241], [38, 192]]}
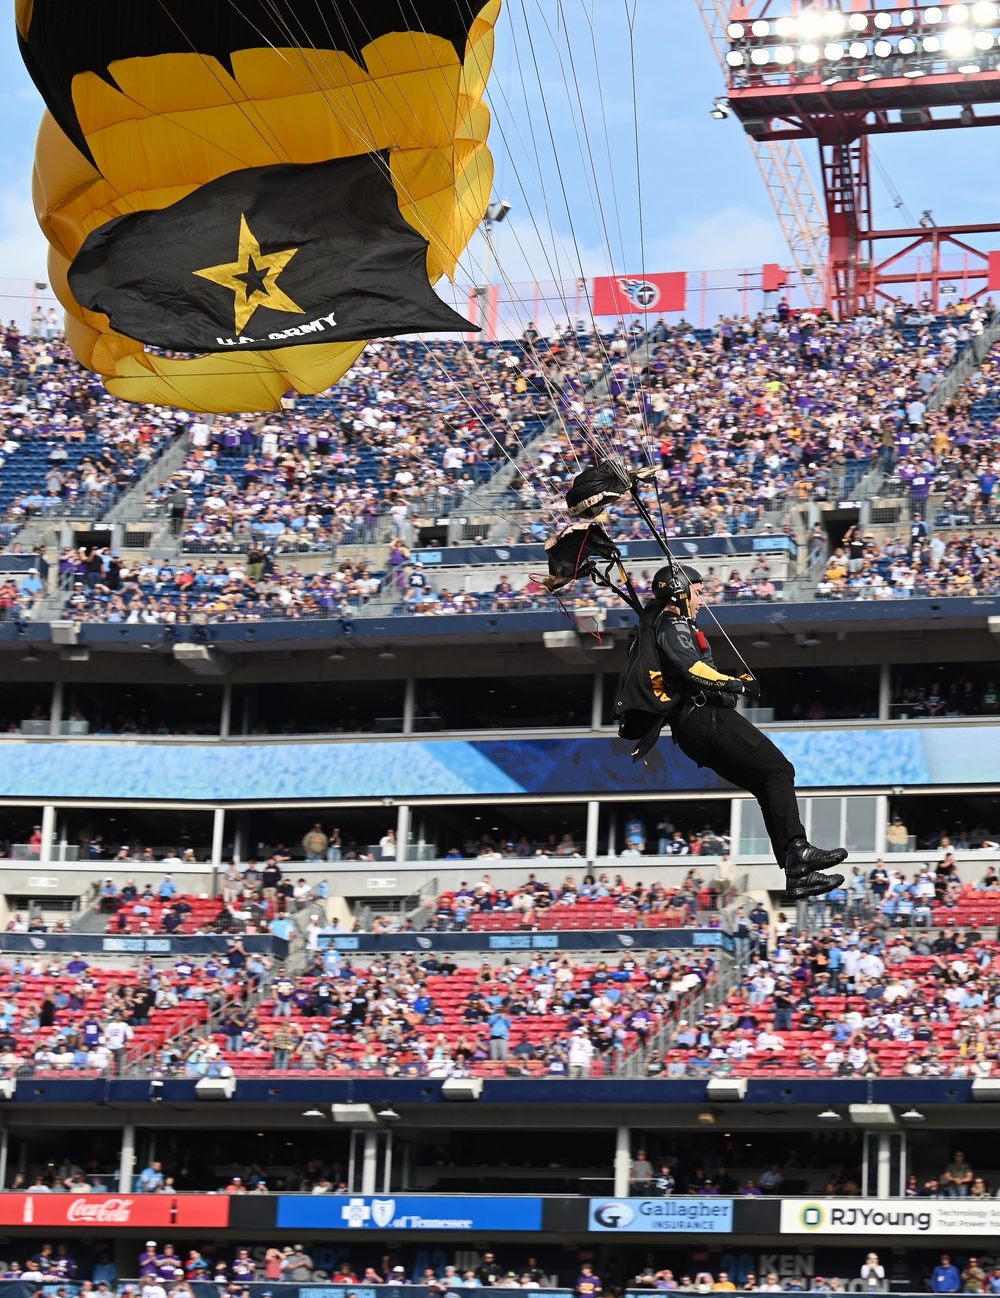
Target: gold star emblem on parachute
{"points": [[253, 278]]}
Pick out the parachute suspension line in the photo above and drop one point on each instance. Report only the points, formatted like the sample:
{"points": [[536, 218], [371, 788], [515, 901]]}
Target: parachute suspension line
{"points": [[739, 657], [647, 438], [561, 177], [675, 567], [611, 443], [548, 507], [367, 140], [597, 204], [357, 127]]}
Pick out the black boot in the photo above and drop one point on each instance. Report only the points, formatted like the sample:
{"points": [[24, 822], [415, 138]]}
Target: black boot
{"points": [[802, 858], [813, 883]]}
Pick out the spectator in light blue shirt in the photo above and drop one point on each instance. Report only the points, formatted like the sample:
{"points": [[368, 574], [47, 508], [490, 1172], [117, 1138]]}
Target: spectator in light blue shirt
{"points": [[151, 1178]]}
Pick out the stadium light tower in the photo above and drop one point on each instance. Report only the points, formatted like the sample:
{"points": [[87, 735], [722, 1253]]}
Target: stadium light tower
{"points": [[838, 73], [494, 214]]}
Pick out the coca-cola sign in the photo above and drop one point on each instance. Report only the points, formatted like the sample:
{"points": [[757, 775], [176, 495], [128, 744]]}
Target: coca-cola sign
{"points": [[100, 1211], [116, 1210]]}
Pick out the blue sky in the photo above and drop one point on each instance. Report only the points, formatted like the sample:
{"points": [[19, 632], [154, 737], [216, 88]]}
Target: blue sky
{"points": [[703, 204]]}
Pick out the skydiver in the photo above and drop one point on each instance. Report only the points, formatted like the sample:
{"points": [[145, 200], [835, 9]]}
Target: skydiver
{"points": [[699, 702]]}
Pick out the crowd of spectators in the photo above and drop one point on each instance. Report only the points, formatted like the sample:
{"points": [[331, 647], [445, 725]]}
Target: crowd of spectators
{"points": [[599, 900], [67, 446], [757, 412], [163, 1272], [409, 430], [848, 997], [430, 1017], [105, 588], [914, 566], [65, 1014]]}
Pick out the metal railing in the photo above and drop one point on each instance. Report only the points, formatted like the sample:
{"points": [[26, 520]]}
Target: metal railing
{"points": [[726, 975], [411, 907], [968, 360]]}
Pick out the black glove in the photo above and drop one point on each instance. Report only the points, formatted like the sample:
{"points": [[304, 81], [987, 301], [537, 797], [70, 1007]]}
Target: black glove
{"points": [[751, 688]]}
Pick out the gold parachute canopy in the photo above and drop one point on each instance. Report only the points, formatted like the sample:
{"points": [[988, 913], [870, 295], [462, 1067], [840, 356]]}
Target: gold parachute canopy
{"points": [[268, 184]]}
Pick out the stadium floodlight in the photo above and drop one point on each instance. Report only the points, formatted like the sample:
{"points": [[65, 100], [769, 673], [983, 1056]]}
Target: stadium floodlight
{"points": [[958, 14], [735, 59], [983, 41], [858, 22], [913, 73], [760, 57], [834, 22], [933, 15], [931, 45], [761, 28], [958, 43], [736, 31], [809, 54], [984, 11], [720, 108], [833, 79], [784, 54], [967, 69], [784, 27], [858, 50], [810, 26], [882, 49], [870, 76], [883, 21], [833, 52], [354, 1115], [907, 45], [727, 1090], [907, 18], [215, 1088], [872, 1115], [462, 1089]]}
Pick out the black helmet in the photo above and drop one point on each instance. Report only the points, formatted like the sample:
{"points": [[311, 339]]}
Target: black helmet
{"points": [[673, 582]]}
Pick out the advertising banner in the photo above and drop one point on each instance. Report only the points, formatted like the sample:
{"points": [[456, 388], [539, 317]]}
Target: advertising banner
{"points": [[94, 944], [155, 1211], [409, 1212], [892, 1217], [709, 546], [841, 756], [570, 940], [627, 294], [661, 1216]]}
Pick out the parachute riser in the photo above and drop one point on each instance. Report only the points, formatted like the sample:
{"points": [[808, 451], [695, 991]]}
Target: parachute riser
{"points": [[672, 562]]}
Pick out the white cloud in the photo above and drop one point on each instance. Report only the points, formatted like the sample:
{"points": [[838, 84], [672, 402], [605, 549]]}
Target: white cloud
{"points": [[730, 239]]}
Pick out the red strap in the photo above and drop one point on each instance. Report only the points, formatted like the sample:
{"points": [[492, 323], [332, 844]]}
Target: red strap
{"points": [[700, 637]]}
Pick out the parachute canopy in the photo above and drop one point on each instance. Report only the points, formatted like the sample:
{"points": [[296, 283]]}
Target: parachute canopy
{"points": [[271, 183]]}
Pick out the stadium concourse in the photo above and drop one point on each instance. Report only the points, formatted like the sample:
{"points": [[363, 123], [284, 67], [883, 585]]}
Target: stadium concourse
{"points": [[341, 945]]}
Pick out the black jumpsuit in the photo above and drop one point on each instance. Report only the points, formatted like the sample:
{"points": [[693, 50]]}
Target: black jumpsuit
{"points": [[707, 727]]}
